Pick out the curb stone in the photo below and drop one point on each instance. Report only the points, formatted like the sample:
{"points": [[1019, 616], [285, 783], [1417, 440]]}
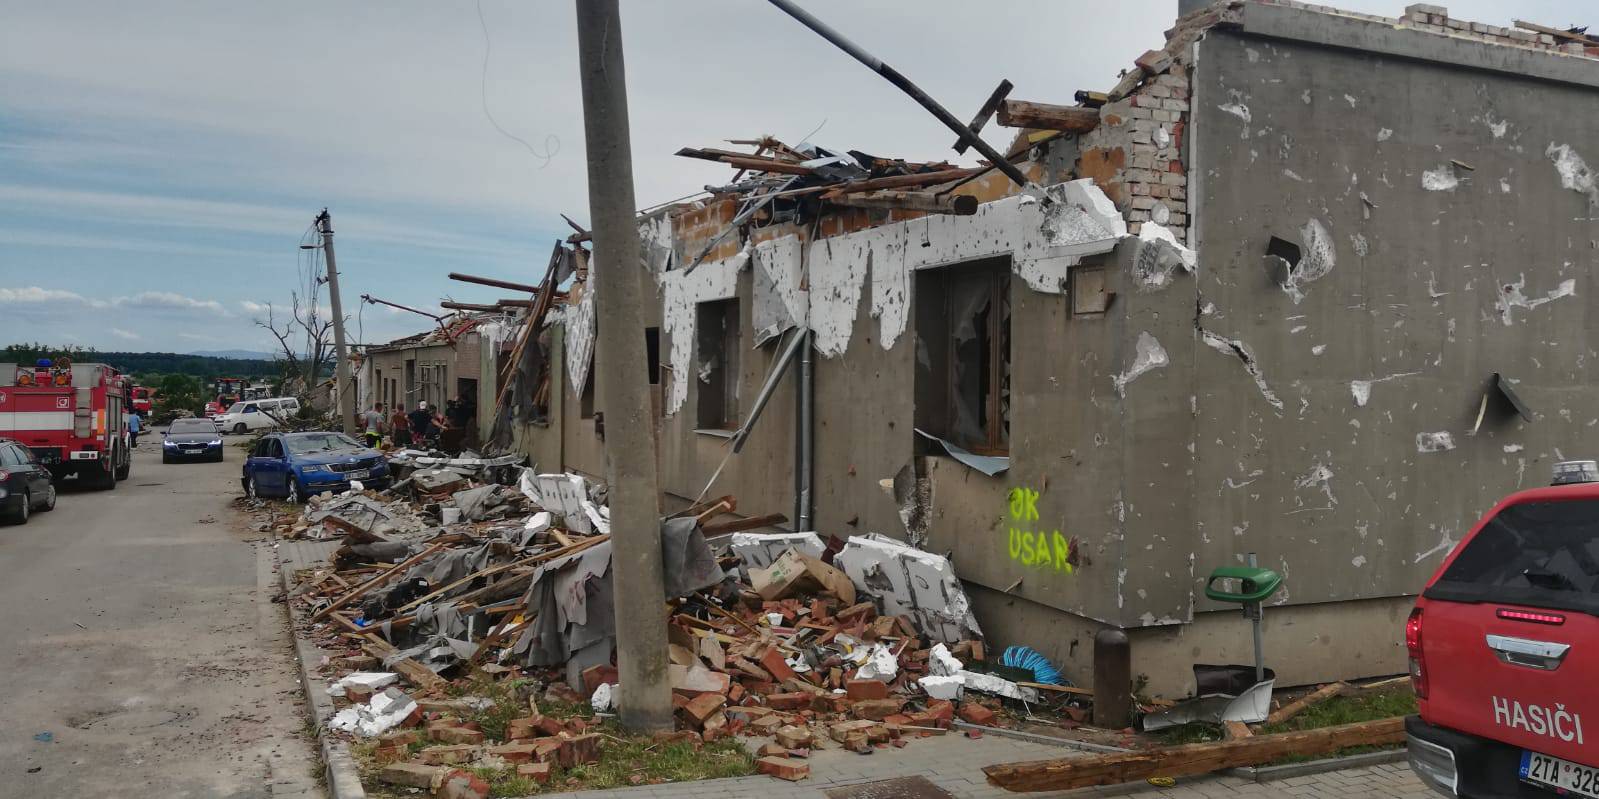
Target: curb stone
{"points": [[343, 779], [1283, 772]]}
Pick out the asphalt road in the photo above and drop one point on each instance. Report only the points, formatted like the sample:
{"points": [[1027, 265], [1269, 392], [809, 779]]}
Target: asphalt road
{"points": [[140, 651]]}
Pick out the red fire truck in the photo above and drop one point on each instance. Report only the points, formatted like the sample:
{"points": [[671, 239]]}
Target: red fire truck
{"points": [[143, 400], [72, 415]]}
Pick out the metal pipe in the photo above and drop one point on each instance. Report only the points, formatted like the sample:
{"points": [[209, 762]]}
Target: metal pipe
{"points": [[767, 388], [1255, 614], [376, 301], [904, 84], [807, 453]]}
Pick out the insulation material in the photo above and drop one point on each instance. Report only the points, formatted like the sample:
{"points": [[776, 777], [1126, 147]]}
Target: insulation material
{"points": [[681, 295], [1440, 178], [581, 332], [1513, 295], [987, 464], [1434, 442], [1574, 172], [1147, 355], [1241, 351], [759, 550], [384, 712], [1318, 258], [904, 581], [1159, 257], [655, 242], [779, 302]]}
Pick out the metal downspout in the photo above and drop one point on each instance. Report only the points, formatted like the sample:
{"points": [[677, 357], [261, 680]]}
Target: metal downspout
{"points": [[806, 433]]}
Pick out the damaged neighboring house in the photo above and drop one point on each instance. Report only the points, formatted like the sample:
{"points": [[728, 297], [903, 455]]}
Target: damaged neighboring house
{"points": [[459, 359], [1305, 283]]}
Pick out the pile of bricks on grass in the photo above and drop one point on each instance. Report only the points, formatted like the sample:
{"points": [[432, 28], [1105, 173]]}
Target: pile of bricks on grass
{"points": [[807, 673]]}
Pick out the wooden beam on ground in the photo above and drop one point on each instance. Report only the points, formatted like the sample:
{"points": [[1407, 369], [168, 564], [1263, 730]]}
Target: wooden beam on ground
{"points": [[740, 525], [957, 204], [1301, 704], [1179, 761], [394, 571], [414, 673], [1043, 116]]}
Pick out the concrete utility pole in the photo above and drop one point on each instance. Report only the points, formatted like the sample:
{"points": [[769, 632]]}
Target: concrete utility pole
{"points": [[619, 366], [342, 386]]}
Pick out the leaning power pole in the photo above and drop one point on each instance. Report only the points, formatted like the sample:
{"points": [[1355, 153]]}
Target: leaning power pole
{"points": [[619, 367], [343, 389]]}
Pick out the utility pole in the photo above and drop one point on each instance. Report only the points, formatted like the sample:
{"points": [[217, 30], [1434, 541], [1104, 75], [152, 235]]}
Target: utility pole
{"points": [[619, 366], [342, 386]]}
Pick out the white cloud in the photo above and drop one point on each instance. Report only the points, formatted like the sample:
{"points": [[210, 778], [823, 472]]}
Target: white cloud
{"points": [[36, 295], [124, 334], [251, 306]]}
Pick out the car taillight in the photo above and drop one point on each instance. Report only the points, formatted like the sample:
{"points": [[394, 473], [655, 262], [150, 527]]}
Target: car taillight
{"points": [[4, 475], [1527, 615], [1418, 666]]}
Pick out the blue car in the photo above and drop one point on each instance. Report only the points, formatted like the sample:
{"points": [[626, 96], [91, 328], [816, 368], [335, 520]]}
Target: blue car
{"points": [[297, 465]]}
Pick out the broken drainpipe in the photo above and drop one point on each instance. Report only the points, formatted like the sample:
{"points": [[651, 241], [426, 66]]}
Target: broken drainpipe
{"points": [[904, 84], [806, 432]]}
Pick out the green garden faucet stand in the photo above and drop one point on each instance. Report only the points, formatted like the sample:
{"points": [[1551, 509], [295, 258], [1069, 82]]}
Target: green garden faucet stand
{"points": [[1254, 586]]}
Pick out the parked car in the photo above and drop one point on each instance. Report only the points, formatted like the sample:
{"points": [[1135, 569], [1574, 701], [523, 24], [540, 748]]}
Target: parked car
{"points": [[297, 465], [244, 416], [1504, 646], [191, 439], [25, 484], [213, 409]]}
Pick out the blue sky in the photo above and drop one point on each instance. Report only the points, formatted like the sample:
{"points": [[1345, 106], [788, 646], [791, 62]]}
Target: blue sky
{"points": [[160, 160]]}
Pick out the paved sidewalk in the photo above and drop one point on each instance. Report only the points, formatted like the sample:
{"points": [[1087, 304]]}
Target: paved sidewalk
{"points": [[954, 764]]}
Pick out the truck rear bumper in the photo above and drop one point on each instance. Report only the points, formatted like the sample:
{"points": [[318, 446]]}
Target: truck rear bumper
{"points": [[1459, 764]]}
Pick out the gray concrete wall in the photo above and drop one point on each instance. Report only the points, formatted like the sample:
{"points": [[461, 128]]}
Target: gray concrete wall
{"points": [[1334, 493]]}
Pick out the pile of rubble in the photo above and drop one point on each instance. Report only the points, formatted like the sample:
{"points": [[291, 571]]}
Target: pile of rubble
{"points": [[475, 569]]}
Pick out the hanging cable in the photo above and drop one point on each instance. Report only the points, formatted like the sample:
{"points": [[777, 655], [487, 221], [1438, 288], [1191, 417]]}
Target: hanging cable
{"points": [[552, 144]]}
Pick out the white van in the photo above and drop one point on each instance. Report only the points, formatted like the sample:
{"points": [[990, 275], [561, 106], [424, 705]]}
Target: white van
{"points": [[262, 414]]}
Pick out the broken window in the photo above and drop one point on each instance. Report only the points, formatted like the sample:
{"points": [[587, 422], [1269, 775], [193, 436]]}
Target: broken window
{"points": [[963, 355], [585, 404], [652, 353], [716, 364]]}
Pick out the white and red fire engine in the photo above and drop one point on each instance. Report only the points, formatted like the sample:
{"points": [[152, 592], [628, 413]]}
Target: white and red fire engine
{"points": [[72, 415]]}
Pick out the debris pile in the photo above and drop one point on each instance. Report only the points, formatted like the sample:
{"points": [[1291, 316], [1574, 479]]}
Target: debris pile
{"points": [[470, 572]]}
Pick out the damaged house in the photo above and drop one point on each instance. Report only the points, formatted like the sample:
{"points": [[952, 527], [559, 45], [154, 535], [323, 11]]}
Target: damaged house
{"points": [[458, 359], [1306, 284]]}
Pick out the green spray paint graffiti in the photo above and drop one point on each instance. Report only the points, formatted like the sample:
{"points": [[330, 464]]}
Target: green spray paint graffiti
{"points": [[1032, 547]]}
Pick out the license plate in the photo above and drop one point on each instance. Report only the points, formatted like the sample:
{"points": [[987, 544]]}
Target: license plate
{"points": [[191, 452], [1556, 773], [360, 474]]}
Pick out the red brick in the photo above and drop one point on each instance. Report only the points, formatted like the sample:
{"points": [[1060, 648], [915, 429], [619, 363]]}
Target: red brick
{"points": [[595, 676], [784, 768], [866, 689], [457, 735], [973, 713], [876, 709], [463, 785], [515, 753], [704, 706], [448, 754], [580, 749], [772, 660], [794, 701], [410, 775], [537, 772], [517, 729]]}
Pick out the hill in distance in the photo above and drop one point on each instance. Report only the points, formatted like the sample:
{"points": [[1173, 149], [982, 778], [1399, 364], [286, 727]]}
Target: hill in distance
{"points": [[244, 355]]}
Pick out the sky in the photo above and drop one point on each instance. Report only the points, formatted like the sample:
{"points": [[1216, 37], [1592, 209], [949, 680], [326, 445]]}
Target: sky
{"points": [[162, 161]]}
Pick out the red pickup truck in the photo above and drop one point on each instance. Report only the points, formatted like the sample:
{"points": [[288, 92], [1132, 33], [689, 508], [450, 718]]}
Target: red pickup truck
{"points": [[1504, 650]]}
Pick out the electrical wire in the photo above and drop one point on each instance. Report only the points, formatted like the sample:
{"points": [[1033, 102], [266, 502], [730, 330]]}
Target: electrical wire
{"points": [[552, 144]]}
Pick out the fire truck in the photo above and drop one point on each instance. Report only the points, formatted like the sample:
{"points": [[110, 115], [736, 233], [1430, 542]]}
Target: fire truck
{"points": [[72, 415], [143, 400]]}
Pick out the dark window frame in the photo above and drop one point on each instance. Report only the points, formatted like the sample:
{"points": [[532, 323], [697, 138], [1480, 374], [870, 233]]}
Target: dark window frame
{"points": [[718, 325], [951, 371]]}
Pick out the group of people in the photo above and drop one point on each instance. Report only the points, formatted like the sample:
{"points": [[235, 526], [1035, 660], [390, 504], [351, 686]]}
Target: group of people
{"points": [[423, 426]]}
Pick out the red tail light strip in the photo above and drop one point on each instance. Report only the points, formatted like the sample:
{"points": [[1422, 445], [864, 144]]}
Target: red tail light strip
{"points": [[1531, 616]]}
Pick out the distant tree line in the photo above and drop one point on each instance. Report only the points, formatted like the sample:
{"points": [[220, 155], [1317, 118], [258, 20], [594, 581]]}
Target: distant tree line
{"points": [[148, 363]]}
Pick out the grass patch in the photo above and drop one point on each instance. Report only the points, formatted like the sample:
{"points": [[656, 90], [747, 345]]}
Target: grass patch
{"points": [[1356, 707], [622, 756]]}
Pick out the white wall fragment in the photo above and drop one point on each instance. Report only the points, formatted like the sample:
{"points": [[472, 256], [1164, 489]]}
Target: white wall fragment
{"points": [[1440, 178], [779, 301], [1361, 389], [681, 295], [1383, 134], [1159, 256], [1574, 172], [1513, 295], [1435, 442], [581, 332], [1241, 351], [1147, 355], [1318, 257]]}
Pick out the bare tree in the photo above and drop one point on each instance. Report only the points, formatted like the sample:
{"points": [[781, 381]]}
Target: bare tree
{"points": [[306, 342]]}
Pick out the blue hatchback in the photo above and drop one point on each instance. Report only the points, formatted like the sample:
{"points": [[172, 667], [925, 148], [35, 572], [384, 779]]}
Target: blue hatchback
{"points": [[297, 465]]}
